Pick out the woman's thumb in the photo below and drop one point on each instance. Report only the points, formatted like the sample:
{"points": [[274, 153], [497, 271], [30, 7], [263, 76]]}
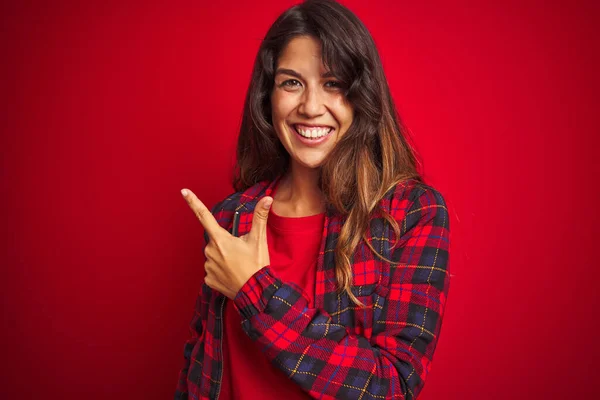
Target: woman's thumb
{"points": [[261, 213]]}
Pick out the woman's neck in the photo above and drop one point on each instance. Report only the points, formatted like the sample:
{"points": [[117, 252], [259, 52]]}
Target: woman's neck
{"points": [[298, 194]]}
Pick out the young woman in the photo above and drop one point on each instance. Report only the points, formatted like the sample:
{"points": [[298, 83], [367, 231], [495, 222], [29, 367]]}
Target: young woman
{"points": [[327, 270]]}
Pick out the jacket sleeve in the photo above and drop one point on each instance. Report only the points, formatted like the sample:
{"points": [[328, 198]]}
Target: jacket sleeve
{"points": [[329, 360]]}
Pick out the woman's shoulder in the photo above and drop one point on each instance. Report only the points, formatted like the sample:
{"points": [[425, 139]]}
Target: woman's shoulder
{"points": [[412, 196], [412, 189]]}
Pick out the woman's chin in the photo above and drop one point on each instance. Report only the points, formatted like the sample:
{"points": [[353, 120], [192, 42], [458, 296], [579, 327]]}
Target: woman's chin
{"points": [[310, 162]]}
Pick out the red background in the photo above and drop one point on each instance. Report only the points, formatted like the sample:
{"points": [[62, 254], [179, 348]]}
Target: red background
{"points": [[110, 108]]}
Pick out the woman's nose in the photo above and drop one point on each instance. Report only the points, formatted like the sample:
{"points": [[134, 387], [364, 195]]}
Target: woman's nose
{"points": [[311, 103]]}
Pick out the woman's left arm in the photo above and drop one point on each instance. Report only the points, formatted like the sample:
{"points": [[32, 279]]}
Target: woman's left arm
{"points": [[328, 360]]}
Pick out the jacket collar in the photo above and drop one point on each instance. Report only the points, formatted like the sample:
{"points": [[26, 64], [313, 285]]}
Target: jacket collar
{"points": [[254, 193]]}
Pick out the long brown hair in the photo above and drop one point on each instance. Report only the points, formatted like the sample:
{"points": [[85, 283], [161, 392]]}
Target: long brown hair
{"points": [[375, 144]]}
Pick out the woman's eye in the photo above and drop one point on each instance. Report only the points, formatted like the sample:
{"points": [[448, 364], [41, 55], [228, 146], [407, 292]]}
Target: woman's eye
{"points": [[290, 82], [293, 83], [334, 84]]}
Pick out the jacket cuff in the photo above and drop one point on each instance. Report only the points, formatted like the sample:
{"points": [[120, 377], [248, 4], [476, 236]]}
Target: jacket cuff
{"points": [[253, 297]]}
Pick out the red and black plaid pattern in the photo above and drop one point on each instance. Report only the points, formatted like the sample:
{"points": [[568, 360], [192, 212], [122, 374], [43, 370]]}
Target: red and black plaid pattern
{"points": [[338, 350]]}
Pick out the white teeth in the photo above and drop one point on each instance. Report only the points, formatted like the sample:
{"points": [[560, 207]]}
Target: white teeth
{"points": [[313, 133]]}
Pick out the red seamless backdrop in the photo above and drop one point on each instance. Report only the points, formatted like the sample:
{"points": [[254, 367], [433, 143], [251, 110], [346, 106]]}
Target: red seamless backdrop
{"points": [[109, 108]]}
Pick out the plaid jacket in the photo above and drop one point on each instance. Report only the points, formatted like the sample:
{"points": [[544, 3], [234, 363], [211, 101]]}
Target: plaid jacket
{"points": [[337, 350]]}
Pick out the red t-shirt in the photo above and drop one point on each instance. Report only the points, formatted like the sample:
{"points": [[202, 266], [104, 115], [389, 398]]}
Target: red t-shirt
{"points": [[247, 374]]}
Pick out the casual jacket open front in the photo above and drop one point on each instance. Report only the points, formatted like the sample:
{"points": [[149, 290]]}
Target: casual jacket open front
{"points": [[337, 350]]}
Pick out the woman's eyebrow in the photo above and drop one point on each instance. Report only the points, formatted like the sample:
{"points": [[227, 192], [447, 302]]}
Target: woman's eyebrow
{"points": [[291, 72]]}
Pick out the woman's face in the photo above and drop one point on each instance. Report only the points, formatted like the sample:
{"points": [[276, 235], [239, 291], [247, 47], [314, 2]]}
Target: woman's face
{"points": [[309, 110]]}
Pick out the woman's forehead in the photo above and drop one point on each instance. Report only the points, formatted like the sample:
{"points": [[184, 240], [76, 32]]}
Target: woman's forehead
{"points": [[302, 52]]}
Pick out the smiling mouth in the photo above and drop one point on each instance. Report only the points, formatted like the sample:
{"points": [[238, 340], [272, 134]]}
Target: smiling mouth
{"points": [[312, 132]]}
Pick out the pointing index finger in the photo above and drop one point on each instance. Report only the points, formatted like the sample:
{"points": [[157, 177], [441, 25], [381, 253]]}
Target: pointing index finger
{"points": [[203, 214]]}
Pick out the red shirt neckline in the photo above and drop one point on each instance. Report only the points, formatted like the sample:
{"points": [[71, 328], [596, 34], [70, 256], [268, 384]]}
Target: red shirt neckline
{"points": [[293, 224]]}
